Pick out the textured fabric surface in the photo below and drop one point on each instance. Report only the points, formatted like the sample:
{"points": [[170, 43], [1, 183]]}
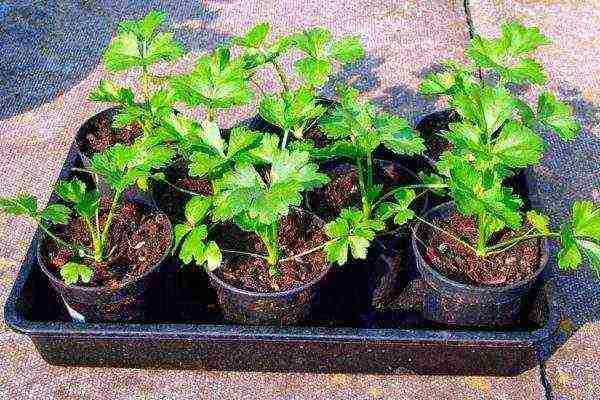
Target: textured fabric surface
{"points": [[49, 60]]}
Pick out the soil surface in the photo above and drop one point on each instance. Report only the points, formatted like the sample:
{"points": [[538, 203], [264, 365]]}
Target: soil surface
{"points": [[137, 241], [343, 190], [460, 264], [317, 136], [172, 201], [430, 129], [102, 135], [298, 232]]}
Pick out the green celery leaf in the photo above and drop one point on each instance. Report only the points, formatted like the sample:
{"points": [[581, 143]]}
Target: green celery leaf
{"points": [[56, 214], [437, 83], [337, 251], [242, 139], [347, 50], [315, 71], [539, 221], [255, 37], [179, 232], [163, 47], [558, 116], [194, 246], [21, 204], [507, 55], [88, 205], [586, 219], [569, 256], [592, 251], [489, 108], [196, 209], [216, 82], [71, 191], [123, 53], [517, 146], [213, 256], [72, 272], [313, 42]]}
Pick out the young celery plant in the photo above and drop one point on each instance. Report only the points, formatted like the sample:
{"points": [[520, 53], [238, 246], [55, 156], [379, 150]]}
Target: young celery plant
{"points": [[481, 195], [496, 137], [123, 166], [357, 128], [242, 195], [137, 46], [293, 110]]}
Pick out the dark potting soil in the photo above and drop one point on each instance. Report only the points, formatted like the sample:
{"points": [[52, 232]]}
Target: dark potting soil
{"points": [[298, 232], [430, 129], [103, 135], [315, 134], [172, 201], [137, 242], [460, 264]]}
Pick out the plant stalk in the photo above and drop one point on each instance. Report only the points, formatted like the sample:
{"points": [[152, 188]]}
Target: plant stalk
{"points": [[111, 214], [282, 77], [307, 252], [363, 189], [467, 245]]}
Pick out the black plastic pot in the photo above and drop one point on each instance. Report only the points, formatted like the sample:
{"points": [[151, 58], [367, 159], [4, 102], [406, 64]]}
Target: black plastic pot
{"points": [[454, 303], [126, 302], [374, 281], [134, 194], [277, 308]]}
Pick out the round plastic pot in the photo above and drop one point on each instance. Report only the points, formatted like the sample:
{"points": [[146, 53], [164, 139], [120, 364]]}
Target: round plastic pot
{"points": [[452, 303], [275, 308], [376, 279], [126, 302], [133, 194]]}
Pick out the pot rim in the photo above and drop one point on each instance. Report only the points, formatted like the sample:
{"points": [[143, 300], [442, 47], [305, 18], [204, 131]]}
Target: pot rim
{"points": [[83, 128], [428, 158], [422, 263], [297, 289], [102, 289]]}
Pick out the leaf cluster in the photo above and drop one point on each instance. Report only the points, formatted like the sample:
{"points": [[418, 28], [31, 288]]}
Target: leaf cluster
{"points": [[498, 132]]}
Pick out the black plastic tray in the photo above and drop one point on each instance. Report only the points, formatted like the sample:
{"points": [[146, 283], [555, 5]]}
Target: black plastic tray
{"points": [[186, 330]]}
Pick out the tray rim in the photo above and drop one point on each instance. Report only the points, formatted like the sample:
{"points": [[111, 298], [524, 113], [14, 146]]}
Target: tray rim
{"points": [[214, 332]]}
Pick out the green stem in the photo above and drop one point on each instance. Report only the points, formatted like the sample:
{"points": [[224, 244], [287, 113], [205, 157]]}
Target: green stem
{"points": [[363, 189], [57, 239], [282, 77], [180, 189], [481, 249], [286, 133], [467, 245], [211, 114], [503, 246], [97, 247], [243, 253], [307, 252], [111, 214], [370, 170], [270, 241], [423, 186], [145, 78]]}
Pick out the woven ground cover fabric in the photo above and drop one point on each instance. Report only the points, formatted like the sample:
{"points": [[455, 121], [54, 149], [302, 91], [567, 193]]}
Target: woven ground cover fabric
{"points": [[49, 61]]}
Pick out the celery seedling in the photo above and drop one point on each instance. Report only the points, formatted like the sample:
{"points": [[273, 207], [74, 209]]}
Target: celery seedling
{"points": [[138, 46], [123, 166]]}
